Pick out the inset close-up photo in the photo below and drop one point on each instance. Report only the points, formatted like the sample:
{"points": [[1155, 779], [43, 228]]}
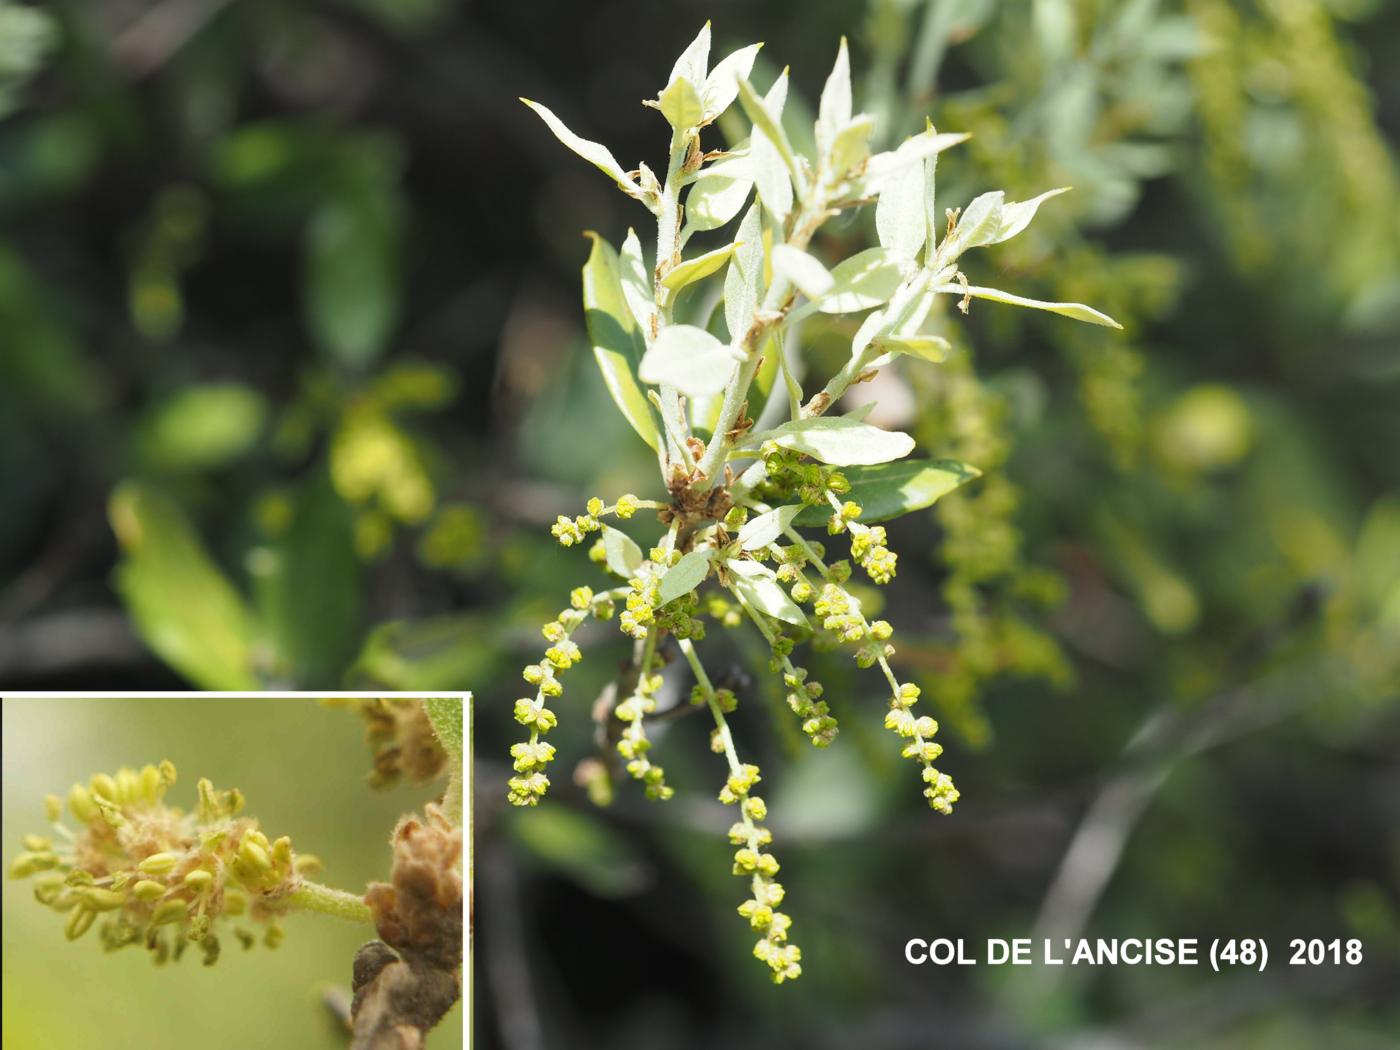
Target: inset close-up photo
{"points": [[225, 872], [912, 487]]}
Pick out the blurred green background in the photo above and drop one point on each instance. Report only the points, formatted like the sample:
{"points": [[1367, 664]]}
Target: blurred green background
{"points": [[301, 767], [293, 379]]}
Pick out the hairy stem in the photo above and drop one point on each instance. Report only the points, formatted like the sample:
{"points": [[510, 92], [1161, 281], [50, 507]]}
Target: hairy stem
{"points": [[708, 689], [730, 754], [668, 250], [312, 896]]}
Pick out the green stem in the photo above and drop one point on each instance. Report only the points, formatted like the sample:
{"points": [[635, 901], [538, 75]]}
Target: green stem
{"points": [[707, 687], [667, 255], [730, 754], [312, 896]]}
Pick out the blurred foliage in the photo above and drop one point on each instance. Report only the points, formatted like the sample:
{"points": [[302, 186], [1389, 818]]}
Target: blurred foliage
{"points": [[295, 296]]}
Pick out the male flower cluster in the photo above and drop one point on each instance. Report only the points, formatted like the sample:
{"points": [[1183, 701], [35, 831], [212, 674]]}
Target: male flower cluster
{"points": [[530, 757], [634, 745], [752, 859], [921, 747], [158, 876]]}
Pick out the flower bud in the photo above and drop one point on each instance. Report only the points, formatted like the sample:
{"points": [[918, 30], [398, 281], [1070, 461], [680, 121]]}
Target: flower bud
{"points": [[104, 785], [151, 783], [128, 787], [110, 811], [79, 922], [26, 864], [159, 863], [146, 890], [47, 887], [254, 855], [80, 802], [99, 899], [282, 852]]}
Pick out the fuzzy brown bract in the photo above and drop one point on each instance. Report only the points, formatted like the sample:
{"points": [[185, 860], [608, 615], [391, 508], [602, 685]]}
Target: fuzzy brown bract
{"points": [[419, 916], [420, 911]]}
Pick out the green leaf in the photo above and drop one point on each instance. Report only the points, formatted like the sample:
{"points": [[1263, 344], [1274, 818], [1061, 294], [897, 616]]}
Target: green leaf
{"points": [[617, 341], [446, 652], [881, 167], [990, 220], [695, 59], [718, 193], [933, 222], [933, 348], [899, 213], [594, 152], [977, 225], [446, 715], [851, 146], [766, 119], [757, 585], [869, 328], [1017, 215], [181, 603], [636, 284], [352, 273], [809, 276], [839, 440], [1078, 311], [864, 280], [684, 576], [623, 556], [722, 85], [888, 490], [743, 282], [691, 270], [1053, 23], [834, 109], [202, 427], [689, 359], [680, 104], [763, 529], [308, 587], [772, 168]]}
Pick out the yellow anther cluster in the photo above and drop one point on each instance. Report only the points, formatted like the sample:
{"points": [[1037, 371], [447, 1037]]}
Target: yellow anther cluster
{"points": [[155, 875]]}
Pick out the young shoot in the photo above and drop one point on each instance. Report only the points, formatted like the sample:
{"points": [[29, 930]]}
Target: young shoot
{"points": [[736, 496]]}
